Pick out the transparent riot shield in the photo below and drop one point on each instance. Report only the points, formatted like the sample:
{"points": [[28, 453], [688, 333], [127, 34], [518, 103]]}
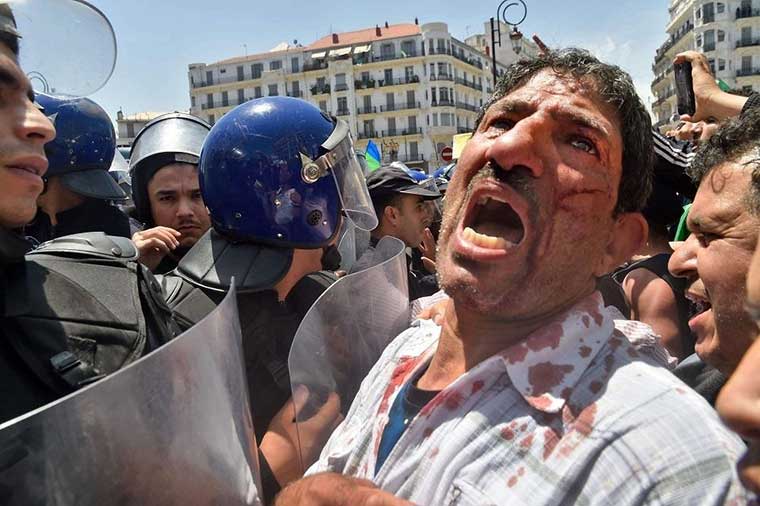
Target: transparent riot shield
{"points": [[172, 428], [345, 332], [67, 47]]}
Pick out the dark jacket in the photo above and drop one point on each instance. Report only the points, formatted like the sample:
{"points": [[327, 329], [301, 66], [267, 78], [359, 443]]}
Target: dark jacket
{"points": [[91, 216]]}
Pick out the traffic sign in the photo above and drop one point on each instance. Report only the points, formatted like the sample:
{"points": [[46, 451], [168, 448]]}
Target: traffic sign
{"points": [[446, 154]]}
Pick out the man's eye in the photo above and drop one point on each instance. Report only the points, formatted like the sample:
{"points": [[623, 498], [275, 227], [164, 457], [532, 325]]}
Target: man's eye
{"points": [[501, 124], [197, 196], [706, 238], [167, 198], [585, 145]]}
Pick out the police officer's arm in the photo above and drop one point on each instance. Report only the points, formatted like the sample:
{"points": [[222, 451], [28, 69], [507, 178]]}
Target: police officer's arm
{"points": [[154, 244]]}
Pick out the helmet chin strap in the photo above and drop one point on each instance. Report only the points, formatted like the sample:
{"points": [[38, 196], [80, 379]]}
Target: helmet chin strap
{"points": [[331, 258]]}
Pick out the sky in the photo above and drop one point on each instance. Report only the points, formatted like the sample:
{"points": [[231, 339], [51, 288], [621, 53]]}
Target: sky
{"points": [[157, 39]]}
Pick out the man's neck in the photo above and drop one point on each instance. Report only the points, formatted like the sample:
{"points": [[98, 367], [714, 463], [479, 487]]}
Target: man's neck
{"points": [[468, 338], [57, 199]]}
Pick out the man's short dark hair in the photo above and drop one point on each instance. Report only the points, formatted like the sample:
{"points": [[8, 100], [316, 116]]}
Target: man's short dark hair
{"points": [[735, 139], [6, 38], [615, 87], [380, 202]]}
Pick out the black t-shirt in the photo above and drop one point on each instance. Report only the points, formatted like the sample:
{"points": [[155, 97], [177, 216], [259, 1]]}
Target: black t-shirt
{"points": [[92, 215]]}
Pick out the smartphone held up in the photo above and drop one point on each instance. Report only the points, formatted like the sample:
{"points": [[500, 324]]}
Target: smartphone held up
{"points": [[684, 88]]}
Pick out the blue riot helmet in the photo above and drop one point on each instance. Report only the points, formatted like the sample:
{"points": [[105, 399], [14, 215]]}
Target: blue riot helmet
{"points": [[83, 148], [279, 171]]}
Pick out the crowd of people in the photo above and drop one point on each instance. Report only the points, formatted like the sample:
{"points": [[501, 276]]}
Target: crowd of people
{"points": [[580, 293]]}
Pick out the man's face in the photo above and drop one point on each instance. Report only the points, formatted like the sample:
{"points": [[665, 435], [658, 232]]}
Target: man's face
{"points": [[529, 211], [176, 202], [24, 130], [414, 214], [715, 259]]}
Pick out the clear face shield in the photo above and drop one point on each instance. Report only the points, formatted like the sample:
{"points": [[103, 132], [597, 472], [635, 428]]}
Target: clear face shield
{"points": [[342, 162], [67, 47]]}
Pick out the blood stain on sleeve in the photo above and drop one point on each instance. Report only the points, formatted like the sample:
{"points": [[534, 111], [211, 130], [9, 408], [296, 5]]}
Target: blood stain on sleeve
{"points": [[548, 337], [477, 386], [516, 353], [402, 370], [508, 433]]}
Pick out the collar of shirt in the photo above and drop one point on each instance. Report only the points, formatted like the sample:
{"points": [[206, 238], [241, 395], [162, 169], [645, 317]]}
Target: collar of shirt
{"points": [[545, 366]]}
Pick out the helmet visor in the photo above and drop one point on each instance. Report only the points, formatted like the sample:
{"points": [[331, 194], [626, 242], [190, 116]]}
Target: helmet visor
{"points": [[68, 47], [349, 178]]}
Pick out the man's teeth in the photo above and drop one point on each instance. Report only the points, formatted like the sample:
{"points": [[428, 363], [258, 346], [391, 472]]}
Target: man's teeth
{"points": [[484, 241]]}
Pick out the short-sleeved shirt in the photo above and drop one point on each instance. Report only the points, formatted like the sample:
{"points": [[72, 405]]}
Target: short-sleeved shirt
{"points": [[572, 414]]}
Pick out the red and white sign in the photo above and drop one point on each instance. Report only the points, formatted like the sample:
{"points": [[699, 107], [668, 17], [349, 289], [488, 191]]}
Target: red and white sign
{"points": [[446, 154]]}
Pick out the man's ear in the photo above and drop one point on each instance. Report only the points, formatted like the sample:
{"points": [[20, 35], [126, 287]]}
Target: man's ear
{"points": [[391, 215], [629, 234]]}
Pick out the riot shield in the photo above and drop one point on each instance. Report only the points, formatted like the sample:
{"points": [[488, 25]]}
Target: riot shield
{"points": [[172, 428], [67, 47], [345, 332]]}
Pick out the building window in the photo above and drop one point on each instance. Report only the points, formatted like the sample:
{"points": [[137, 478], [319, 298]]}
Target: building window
{"points": [[746, 63], [273, 90], [294, 67], [445, 119], [369, 128], [222, 71], [709, 40], [413, 150], [241, 96], [296, 88], [387, 51], [240, 76], [388, 76], [411, 122], [257, 92], [708, 13], [721, 7], [392, 126], [408, 73], [342, 106], [390, 101], [275, 65], [721, 35], [340, 82], [367, 103], [210, 100], [209, 77], [130, 129], [711, 63], [699, 40], [256, 70], [365, 77], [192, 101], [407, 49], [721, 64], [225, 99], [435, 119]]}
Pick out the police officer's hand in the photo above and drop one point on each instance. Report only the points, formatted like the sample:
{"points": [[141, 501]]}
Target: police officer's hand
{"points": [[711, 101], [427, 248], [436, 312], [330, 489], [154, 244], [281, 442]]}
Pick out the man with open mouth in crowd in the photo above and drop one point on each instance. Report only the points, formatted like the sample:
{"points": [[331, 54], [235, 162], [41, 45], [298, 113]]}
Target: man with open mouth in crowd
{"points": [[532, 392]]}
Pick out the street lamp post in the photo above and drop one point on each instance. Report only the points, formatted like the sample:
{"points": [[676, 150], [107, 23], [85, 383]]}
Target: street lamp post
{"points": [[515, 36]]}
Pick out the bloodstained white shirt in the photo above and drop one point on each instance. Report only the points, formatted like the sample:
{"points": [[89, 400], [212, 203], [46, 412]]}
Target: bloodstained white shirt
{"points": [[573, 414]]}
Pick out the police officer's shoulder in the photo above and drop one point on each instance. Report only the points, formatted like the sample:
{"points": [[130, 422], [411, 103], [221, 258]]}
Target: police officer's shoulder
{"points": [[89, 245]]}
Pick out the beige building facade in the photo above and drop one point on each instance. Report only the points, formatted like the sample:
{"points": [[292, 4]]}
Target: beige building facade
{"points": [[727, 32], [408, 87]]}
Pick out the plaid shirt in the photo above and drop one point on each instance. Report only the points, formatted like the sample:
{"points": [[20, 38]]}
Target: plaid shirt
{"points": [[573, 414]]}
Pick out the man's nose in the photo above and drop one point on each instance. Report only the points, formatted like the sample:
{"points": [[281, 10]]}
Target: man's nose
{"points": [[522, 146], [34, 126], [683, 261]]}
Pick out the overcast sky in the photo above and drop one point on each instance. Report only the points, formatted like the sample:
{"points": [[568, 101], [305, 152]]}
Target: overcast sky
{"points": [[157, 39]]}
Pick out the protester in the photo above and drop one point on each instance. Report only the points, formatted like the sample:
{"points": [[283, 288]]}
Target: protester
{"points": [[533, 393], [166, 190], [78, 189], [276, 190], [404, 211]]}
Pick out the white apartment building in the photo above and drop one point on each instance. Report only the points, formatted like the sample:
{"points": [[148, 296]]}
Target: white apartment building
{"points": [[128, 126], [728, 32], [407, 87]]}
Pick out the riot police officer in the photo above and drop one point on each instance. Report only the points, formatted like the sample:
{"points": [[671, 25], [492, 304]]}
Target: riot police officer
{"points": [[278, 177], [165, 189], [78, 189], [79, 307]]}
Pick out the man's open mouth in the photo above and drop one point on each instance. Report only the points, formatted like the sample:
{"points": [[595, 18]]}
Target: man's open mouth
{"points": [[491, 222], [697, 305]]}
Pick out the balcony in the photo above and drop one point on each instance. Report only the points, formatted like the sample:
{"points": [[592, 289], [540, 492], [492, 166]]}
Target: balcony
{"points": [[295, 94], [468, 107], [469, 61], [410, 158], [342, 112], [224, 103], [747, 43], [341, 87], [397, 132], [439, 50], [673, 40], [748, 72], [366, 110], [318, 65], [463, 130], [398, 81], [319, 90], [441, 76], [472, 85], [363, 85], [747, 13], [399, 107], [369, 134], [444, 102], [387, 57], [662, 76]]}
